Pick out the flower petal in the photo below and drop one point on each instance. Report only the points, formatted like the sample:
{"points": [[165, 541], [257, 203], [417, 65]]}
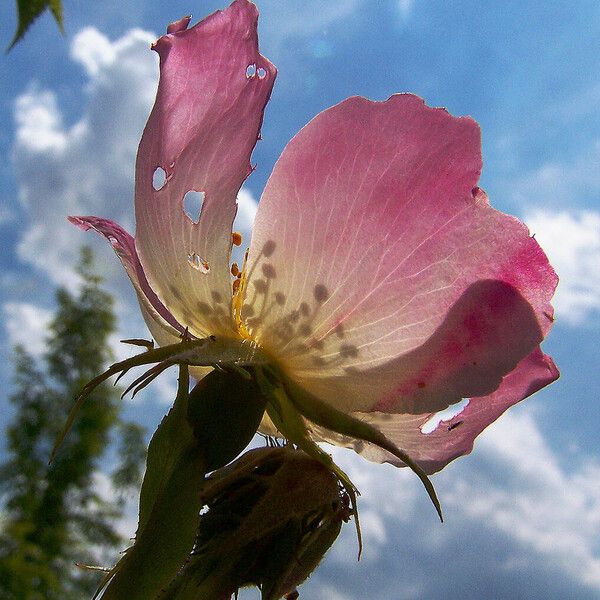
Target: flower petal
{"points": [[164, 327], [454, 437], [371, 228], [199, 138]]}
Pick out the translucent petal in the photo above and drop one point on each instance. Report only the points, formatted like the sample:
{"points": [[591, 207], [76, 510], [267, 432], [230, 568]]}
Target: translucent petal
{"points": [[162, 324], [454, 437], [197, 142], [371, 243]]}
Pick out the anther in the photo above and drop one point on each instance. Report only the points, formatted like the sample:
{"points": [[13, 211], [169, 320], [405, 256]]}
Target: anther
{"points": [[236, 285], [236, 238], [235, 270]]}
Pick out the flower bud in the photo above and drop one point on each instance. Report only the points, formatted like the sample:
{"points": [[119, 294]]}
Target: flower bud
{"points": [[268, 520], [224, 410]]}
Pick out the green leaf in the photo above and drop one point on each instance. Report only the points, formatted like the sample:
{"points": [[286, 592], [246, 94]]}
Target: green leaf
{"points": [[29, 10], [169, 507]]}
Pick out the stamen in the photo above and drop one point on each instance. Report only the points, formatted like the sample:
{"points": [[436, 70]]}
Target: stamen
{"points": [[236, 238], [237, 301], [235, 270]]}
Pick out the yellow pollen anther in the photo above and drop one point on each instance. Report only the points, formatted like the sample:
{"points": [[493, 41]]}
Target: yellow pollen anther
{"points": [[236, 238], [239, 292]]}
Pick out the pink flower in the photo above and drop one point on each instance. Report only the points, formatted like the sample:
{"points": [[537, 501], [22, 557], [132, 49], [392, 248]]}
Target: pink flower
{"points": [[378, 279]]}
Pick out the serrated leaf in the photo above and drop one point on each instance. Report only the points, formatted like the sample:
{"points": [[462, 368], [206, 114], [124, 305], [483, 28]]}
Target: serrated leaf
{"points": [[29, 10]]}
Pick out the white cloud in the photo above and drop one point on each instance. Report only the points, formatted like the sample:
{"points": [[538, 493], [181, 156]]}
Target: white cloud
{"points": [[513, 507], [6, 214], [572, 241], [551, 511], [246, 213], [87, 167], [26, 325], [561, 185]]}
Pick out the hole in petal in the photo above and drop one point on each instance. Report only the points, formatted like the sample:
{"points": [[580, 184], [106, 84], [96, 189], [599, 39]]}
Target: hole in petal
{"points": [[159, 178], [444, 415], [192, 205], [262, 73], [251, 71], [198, 263]]}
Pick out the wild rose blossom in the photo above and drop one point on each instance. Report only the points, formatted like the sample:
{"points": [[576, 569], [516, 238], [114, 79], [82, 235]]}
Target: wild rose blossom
{"points": [[379, 279]]}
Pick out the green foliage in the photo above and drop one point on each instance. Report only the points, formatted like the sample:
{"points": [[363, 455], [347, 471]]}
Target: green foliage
{"points": [[54, 515], [29, 10]]}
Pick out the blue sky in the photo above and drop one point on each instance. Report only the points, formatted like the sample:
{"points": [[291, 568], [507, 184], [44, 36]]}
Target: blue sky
{"points": [[522, 512]]}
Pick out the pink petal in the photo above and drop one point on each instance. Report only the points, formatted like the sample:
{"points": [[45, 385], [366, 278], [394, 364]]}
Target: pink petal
{"points": [[455, 437], [201, 132], [372, 251], [164, 327]]}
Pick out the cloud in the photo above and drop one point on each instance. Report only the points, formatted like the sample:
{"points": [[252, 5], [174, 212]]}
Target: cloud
{"points": [[282, 20], [6, 215], [572, 241], [519, 523], [26, 325], [87, 167]]}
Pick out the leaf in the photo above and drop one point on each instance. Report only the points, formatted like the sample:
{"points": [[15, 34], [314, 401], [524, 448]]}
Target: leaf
{"points": [[30, 10], [170, 503]]}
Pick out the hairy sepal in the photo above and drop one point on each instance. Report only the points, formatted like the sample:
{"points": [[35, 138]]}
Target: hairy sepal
{"points": [[219, 352]]}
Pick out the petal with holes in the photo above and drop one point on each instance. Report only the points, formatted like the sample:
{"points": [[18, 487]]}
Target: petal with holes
{"points": [[199, 137], [454, 437]]}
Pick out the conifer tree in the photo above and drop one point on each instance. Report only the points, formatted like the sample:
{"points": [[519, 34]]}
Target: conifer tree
{"points": [[54, 515]]}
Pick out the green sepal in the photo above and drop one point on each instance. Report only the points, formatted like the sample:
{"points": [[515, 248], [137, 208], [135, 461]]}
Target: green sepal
{"points": [[326, 416], [170, 502], [29, 10], [291, 425], [211, 351], [225, 410]]}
